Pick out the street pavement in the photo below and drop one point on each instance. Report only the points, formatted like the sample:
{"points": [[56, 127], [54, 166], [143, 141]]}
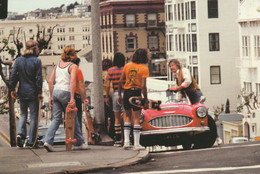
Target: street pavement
{"points": [[30, 161]]}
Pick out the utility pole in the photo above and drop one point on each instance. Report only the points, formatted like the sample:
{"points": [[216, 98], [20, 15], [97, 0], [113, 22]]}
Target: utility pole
{"points": [[99, 115]]}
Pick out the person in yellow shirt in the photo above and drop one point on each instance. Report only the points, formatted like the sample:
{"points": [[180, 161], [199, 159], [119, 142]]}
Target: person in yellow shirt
{"points": [[134, 74]]}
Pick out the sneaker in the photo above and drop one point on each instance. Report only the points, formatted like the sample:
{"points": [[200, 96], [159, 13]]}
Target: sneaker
{"points": [[81, 147], [127, 146], [117, 145], [19, 141], [219, 141], [139, 147], [48, 147]]}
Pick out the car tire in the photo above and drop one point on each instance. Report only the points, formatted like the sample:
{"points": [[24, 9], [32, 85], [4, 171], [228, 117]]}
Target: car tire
{"points": [[206, 139]]}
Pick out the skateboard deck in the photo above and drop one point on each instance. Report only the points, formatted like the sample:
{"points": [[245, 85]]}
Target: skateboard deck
{"points": [[69, 127], [39, 117], [138, 101], [94, 136]]}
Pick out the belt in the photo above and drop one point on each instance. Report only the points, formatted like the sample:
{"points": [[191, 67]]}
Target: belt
{"points": [[134, 89]]}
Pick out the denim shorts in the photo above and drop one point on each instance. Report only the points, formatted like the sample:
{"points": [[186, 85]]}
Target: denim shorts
{"points": [[117, 107]]}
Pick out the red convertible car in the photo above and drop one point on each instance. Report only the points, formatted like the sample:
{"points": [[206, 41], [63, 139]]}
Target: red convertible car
{"points": [[177, 122]]}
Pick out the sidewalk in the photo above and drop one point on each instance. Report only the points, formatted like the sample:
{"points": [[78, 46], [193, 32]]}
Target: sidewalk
{"points": [[30, 161]]}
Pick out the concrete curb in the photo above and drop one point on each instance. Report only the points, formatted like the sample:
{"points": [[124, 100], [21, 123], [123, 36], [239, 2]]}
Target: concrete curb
{"points": [[142, 156]]}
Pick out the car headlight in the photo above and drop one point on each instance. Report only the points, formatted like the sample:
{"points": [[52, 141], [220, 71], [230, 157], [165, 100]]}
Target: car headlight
{"points": [[141, 118], [201, 112]]}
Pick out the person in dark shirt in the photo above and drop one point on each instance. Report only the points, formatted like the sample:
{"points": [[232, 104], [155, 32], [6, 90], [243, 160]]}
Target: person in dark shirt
{"points": [[27, 71]]}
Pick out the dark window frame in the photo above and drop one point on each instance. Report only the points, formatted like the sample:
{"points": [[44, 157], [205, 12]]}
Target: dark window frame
{"points": [[214, 43], [211, 75], [212, 8]]}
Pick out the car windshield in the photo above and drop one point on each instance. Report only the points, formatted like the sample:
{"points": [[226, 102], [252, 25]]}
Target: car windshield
{"points": [[167, 97]]}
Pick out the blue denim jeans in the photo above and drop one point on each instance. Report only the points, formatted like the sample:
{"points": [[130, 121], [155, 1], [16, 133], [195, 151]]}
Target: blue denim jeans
{"points": [[60, 101], [34, 109]]}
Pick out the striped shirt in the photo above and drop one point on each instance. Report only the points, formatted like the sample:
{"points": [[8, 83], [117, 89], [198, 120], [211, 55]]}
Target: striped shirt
{"points": [[113, 74]]}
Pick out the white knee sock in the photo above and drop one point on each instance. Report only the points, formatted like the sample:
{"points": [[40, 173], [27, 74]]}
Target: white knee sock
{"points": [[127, 129], [136, 131]]}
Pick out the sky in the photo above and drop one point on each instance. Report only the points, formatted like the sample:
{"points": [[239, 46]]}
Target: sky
{"points": [[23, 6]]}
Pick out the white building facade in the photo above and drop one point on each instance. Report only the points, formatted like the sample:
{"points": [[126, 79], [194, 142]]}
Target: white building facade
{"points": [[249, 62], [203, 35], [69, 31]]}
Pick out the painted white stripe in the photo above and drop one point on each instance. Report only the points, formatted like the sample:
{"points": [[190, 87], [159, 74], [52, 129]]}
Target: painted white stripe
{"points": [[199, 170], [214, 148], [58, 164]]}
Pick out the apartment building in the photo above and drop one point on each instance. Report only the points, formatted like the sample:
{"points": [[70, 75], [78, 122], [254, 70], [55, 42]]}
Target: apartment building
{"points": [[68, 31], [203, 35], [249, 62], [128, 25]]}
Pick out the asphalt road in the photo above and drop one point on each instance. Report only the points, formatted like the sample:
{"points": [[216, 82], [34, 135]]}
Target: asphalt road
{"points": [[231, 159]]}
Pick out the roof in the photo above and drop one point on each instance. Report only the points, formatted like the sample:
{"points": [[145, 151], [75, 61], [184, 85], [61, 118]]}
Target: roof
{"points": [[230, 117]]}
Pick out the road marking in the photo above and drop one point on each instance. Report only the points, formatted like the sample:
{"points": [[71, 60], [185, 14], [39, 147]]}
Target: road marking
{"points": [[199, 170], [58, 164], [214, 148], [4, 137]]}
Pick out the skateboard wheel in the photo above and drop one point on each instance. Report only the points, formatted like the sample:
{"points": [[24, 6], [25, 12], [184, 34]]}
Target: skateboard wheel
{"points": [[69, 110], [67, 141], [75, 109], [74, 140]]}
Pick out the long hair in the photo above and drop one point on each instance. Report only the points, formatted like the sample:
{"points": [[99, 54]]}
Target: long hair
{"points": [[140, 56], [69, 54], [119, 60], [31, 48], [176, 62]]}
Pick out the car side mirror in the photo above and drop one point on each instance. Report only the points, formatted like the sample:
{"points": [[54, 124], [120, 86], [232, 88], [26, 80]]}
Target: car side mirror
{"points": [[202, 99]]}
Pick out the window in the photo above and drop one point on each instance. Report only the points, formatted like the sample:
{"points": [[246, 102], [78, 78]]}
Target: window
{"points": [[194, 43], [183, 42], [179, 12], [215, 76], [193, 9], [212, 8], [130, 20], [152, 19], [246, 46], [257, 91], [60, 30], [213, 41], [131, 43], [171, 43], [248, 87], [71, 29], [85, 28], [195, 74], [1, 31], [153, 42], [187, 10], [180, 42], [170, 13], [182, 11], [188, 42], [72, 38], [175, 12], [257, 46], [30, 31], [176, 42]]}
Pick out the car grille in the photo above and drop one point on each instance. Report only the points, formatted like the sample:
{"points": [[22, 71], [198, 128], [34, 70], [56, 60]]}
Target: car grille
{"points": [[170, 121]]}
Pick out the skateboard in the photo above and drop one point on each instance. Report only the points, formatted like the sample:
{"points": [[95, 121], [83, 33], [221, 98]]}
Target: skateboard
{"points": [[94, 136], [69, 126], [138, 101], [37, 128]]}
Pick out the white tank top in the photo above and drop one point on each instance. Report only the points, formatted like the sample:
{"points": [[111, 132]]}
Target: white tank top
{"points": [[62, 78]]}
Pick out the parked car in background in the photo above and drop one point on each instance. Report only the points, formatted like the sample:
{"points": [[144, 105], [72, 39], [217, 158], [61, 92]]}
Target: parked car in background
{"points": [[59, 135], [177, 122], [238, 140]]}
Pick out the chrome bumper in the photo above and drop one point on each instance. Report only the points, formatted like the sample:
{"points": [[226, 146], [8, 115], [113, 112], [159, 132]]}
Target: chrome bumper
{"points": [[175, 130]]}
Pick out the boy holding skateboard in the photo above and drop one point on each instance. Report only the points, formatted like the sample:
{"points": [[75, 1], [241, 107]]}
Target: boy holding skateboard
{"points": [[61, 95], [134, 74]]}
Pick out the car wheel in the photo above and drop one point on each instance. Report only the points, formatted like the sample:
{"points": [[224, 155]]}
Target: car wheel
{"points": [[206, 139], [186, 142]]}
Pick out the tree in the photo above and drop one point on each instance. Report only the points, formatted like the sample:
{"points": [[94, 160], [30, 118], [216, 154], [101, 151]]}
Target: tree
{"points": [[227, 110], [43, 41], [246, 101]]}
